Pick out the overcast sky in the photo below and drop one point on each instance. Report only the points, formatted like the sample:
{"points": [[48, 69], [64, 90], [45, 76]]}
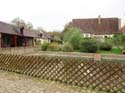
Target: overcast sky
{"points": [[54, 14]]}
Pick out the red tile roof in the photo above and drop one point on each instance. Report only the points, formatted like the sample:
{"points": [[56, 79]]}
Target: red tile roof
{"points": [[11, 29], [106, 25]]}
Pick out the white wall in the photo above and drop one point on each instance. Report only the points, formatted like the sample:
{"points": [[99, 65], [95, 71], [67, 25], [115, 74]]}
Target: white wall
{"points": [[87, 35], [103, 36], [96, 36]]}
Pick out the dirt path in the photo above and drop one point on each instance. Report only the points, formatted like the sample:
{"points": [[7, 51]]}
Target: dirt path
{"points": [[16, 83]]}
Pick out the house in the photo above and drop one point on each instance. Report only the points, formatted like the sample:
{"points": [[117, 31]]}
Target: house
{"points": [[44, 37], [13, 36], [97, 27]]}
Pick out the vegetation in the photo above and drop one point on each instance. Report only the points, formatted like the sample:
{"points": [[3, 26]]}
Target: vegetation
{"points": [[113, 51], [119, 41], [57, 36], [54, 47], [45, 46], [73, 41], [72, 36], [67, 47], [105, 46], [89, 46]]}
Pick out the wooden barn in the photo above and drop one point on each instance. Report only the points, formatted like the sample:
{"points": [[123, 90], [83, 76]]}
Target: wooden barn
{"points": [[12, 36]]}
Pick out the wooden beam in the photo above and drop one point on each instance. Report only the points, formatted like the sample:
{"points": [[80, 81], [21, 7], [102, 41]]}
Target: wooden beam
{"points": [[15, 41]]}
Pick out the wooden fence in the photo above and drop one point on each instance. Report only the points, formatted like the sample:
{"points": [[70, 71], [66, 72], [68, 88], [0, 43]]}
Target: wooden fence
{"points": [[79, 71]]}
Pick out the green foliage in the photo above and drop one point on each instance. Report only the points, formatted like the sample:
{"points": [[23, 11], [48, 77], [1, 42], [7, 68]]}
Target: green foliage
{"points": [[116, 51], [72, 36], [113, 51], [119, 41], [109, 40], [67, 47], [89, 46], [54, 47], [105, 46], [45, 46]]}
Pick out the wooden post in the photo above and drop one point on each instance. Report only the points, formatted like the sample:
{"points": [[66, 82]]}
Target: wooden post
{"points": [[97, 57], [15, 41], [33, 42], [25, 41]]}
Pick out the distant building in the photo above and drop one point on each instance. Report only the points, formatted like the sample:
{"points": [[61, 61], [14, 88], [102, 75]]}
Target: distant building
{"points": [[123, 30], [13, 36], [44, 37], [97, 27]]}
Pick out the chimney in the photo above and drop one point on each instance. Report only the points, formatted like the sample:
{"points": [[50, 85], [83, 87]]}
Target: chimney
{"points": [[22, 30], [99, 19], [119, 23]]}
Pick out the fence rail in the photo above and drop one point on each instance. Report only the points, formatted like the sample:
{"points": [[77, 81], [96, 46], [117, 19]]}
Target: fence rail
{"points": [[83, 72]]}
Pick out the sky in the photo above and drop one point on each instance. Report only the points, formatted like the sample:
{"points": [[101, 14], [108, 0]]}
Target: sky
{"points": [[52, 15]]}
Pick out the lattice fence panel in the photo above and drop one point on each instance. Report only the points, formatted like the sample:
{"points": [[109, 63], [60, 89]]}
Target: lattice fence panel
{"points": [[107, 76]]}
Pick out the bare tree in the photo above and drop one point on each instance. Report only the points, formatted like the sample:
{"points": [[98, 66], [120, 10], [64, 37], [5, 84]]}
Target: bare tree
{"points": [[21, 23], [18, 22], [29, 25]]}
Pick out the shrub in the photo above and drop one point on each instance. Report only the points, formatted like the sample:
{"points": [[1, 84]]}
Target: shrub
{"points": [[89, 46], [105, 46], [45, 46], [54, 47], [72, 36], [67, 47]]}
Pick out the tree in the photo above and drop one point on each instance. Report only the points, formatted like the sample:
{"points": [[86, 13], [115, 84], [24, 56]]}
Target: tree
{"points": [[21, 23], [73, 36], [57, 35], [18, 22], [29, 25]]}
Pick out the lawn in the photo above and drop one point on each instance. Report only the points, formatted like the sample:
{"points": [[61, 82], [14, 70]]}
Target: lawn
{"points": [[113, 51]]}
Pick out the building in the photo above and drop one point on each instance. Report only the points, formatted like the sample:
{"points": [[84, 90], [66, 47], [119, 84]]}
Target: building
{"points": [[97, 27], [123, 30], [13, 36], [44, 37]]}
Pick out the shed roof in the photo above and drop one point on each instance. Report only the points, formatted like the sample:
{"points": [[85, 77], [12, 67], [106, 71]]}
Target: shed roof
{"points": [[11, 29]]}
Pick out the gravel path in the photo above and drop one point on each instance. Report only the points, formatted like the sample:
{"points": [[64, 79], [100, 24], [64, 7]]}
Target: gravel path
{"points": [[16, 83]]}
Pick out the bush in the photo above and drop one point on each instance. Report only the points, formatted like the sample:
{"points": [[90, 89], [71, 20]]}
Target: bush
{"points": [[105, 46], [72, 36], [54, 47], [67, 47], [89, 46], [45, 46]]}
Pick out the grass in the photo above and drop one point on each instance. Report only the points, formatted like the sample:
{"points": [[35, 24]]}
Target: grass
{"points": [[113, 51]]}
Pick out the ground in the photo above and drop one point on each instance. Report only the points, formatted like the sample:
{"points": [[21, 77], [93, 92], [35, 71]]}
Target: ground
{"points": [[11, 82]]}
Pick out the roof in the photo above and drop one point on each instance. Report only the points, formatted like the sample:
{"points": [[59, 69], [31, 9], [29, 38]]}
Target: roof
{"points": [[97, 26], [11, 29]]}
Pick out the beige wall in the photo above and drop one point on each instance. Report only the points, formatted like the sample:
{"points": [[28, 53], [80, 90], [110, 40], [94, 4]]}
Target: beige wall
{"points": [[41, 41], [29, 41]]}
